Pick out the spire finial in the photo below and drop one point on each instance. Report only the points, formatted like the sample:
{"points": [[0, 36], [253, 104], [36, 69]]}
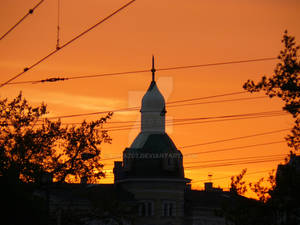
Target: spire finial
{"points": [[153, 69]]}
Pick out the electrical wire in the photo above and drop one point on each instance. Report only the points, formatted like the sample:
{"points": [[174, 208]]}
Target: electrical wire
{"points": [[218, 64], [208, 97], [232, 160], [231, 116], [54, 79], [131, 127], [226, 149], [30, 11], [132, 122], [237, 159], [93, 113], [229, 163], [233, 148], [118, 157], [221, 178], [235, 138], [169, 123], [219, 101], [194, 120], [168, 103], [275, 159], [180, 120], [230, 119], [66, 44]]}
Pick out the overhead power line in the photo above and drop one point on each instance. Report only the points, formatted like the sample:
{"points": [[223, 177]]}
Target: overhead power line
{"points": [[130, 127], [184, 121], [221, 162], [227, 149], [207, 97], [168, 103], [233, 148], [232, 161], [235, 138], [260, 157], [178, 122], [131, 123], [212, 119], [218, 101], [230, 116], [217, 64], [94, 113], [56, 78], [30, 11], [221, 178], [134, 121], [275, 159], [67, 43], [118, 157]]}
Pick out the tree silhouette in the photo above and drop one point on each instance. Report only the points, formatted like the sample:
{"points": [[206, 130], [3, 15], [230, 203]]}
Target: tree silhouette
{"points": [[284, 84], [238, 186], [31, 145], [264, 190], [278, 195]]}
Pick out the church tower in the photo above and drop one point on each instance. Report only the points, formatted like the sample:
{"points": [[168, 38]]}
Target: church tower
{"points": [[152, 167]]}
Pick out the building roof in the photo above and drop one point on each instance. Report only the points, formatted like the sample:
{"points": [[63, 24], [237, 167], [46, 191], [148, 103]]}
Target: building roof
{"points": [[153, 100], [153, 143], [75, 192], [149, 154], [208, 199]]}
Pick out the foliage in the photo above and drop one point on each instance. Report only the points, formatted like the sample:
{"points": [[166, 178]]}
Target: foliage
{"points": [[238, 186], [284, 84], [278, 197], [32, 145], [262, 190], [244, 211]]}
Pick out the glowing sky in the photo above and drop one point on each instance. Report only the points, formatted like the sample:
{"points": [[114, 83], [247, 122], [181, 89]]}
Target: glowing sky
{"points": [[178, 33]]}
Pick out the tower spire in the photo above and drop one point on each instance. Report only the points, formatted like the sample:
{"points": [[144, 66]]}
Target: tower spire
{"points": [[153, 69]]}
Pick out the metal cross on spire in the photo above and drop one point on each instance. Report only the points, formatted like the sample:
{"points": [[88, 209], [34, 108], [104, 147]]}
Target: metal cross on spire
{"points": [[153, 69]]}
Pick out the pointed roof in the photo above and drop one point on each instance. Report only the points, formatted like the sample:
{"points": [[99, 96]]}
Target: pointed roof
{"points": [[153, 100], [153, 153]]}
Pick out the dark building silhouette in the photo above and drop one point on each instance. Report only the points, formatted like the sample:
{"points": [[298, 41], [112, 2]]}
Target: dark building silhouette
{"points": [[152, 167], [286, 196], [149, 183]]}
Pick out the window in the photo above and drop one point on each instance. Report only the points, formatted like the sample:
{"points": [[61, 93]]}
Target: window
{"points": [[169, 208], [146, 208]]}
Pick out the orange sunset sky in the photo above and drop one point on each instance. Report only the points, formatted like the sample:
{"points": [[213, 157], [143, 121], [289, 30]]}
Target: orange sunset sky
{"points": [[178, 33]]}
